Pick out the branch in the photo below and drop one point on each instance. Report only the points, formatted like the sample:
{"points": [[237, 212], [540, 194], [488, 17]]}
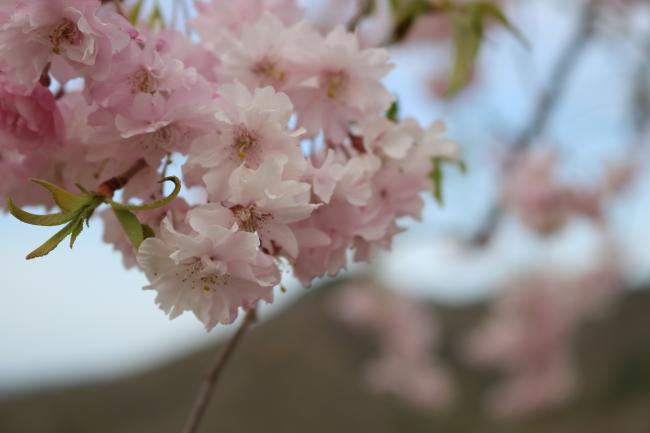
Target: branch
{"points": [[108, 187], [214, 373], [559, 77], [547, 103], [641, 91], [364, 9]]}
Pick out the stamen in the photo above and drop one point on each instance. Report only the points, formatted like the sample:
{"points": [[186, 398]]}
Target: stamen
{"points": [[334, 83], [142, 81], [207, 283], [268, 69], [243, 141], [65, 31], [248, 218]]}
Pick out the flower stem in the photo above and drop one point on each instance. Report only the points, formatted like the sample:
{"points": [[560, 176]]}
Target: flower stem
{"points": [[214, 373], [118, 6], [108, 187]]}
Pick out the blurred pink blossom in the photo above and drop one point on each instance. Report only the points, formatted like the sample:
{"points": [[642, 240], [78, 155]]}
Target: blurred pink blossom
{"points": [[408, 335]]}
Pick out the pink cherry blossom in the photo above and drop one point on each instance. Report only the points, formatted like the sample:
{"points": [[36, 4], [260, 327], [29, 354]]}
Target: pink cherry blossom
{"points": [[268, 53], [232, 16], [29, 120], [212, 271], [250, 127], [263, 202], [408, 335], [152, 107], [530, 332], [344, 85], [542, 202], [78, 37]]}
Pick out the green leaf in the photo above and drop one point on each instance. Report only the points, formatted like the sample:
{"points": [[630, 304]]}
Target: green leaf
{"points": [[156, 17], [76, 230], [467, 42], [54, 219], [52, 242], [406, 14], [64, 199], [131, 226], [147, 231], [469, 26], [491, 10], [437, 177], [393, 112], [134, 13], [155, 204]]}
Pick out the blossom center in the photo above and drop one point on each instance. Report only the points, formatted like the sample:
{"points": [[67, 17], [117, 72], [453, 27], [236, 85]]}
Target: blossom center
{"points": [[143, 81], [268, 69], [243, 141], [334, 82], [248, 219], [208, 282], [66, 31]]}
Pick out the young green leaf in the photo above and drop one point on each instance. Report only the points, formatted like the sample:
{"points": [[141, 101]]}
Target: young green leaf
{"points": [[469, 23], [467, 42], [134, 13], [52, 242], [76, 230], [66, 200], [131, 226], [147, 231], [156, 17], [491, 10], [437, 178], [437, 175], [54, 219], [155, 204], [393, 112]]}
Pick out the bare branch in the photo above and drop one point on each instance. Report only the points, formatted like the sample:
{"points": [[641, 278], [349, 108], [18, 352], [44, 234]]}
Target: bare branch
{"points": [[213, 374], [548, 101]]}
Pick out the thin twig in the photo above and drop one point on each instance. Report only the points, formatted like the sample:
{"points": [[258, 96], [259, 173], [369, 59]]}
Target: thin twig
{"points": [[364, 9], [163, 174], [641, 91], [108, 187], [559, 77], [214, 373], [547, 103], [118, 6]]}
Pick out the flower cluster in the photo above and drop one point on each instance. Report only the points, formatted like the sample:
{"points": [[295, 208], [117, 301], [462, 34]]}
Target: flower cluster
{"points": [[281, 125]]}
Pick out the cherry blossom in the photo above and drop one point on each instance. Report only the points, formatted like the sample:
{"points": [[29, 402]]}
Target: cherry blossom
{"points": [[212, 271], [29, 120], [408, 335], [263, 202], [250, 127], [277, 125], [345, 85], [77, 36]]}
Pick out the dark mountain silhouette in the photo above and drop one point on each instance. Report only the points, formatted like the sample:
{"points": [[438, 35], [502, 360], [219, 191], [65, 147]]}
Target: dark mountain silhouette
{"points": [[300, 373]]}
